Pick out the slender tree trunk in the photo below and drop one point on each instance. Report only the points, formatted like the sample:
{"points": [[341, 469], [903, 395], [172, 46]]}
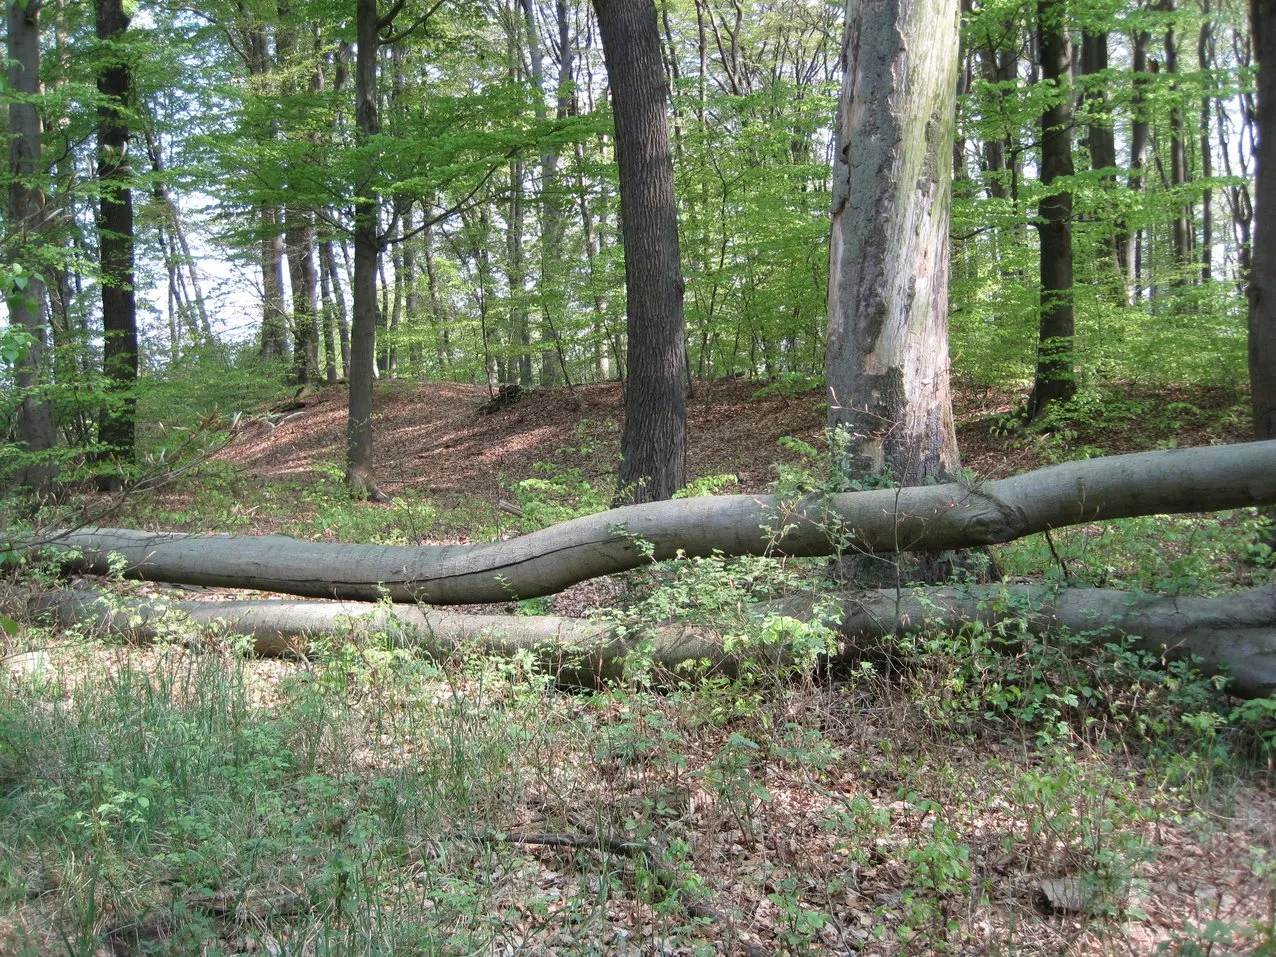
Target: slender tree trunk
{"points": [[396, 306], [1127, 238], [300, 242], [328, 262], [553, 368], [437, 317], [329, 312], [299, 231], [118, 431], [1101, 139], [274, 323], [37, 434], [274, 320], [165, 198], [411, 297], [654, 447], [363, 325], [1178, 153], [1262, 276], [887, 364], [519, 334], [1204, 39], [1055, 380]]}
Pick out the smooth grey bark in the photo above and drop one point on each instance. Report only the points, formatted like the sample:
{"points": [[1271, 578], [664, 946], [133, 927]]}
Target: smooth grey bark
{"points": [[1262, 276], [37, 433], [1233, 634], [921, 518], [653, 462], [887, 366]]}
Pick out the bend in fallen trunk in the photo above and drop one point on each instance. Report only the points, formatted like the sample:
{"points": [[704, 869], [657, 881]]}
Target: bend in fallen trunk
{"points": [[547, 561]]}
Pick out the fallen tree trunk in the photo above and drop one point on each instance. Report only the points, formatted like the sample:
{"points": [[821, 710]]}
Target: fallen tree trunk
{"points": [[547, 561], [1234, 634]]}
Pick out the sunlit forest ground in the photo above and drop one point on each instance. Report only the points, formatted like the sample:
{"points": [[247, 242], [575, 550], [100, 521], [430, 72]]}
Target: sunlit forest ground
{"points": [[978, 791]]}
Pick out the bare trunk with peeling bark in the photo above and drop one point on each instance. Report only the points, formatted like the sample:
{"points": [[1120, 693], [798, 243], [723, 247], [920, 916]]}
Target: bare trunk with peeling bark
{"points": [[922, 518], [887, 366]]}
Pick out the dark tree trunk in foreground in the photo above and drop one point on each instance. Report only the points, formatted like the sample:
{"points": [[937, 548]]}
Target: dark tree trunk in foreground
{"points": [[1262, 276], [363, 317], [1055, 380], [654, 448], [919, 518], [37, 434], [115, 241], [887, 365]]}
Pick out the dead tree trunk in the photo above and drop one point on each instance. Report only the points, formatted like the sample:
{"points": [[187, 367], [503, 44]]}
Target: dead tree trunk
{"points": [[887, 366], [921, 518], [1235, 634]]}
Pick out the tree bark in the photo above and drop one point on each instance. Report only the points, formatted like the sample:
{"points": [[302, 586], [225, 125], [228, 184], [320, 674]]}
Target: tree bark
{"points": [[1101, 138], [1234, 634], [922, 518], [274, 320], [1203, 42], [1127, 238], [1262, 276], [363, 322], [1178, 153], [328, 263], [887, 367], [1055, 380], [654, 446], [118, 431], [37, 434], [164, 196]]}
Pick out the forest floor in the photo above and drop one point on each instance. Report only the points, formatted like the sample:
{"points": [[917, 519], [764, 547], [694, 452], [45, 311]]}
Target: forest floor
{"points": [[432, 439], [963, 794]]}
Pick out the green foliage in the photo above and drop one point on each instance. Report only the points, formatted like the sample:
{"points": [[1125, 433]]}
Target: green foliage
{"points": [[1178, 554], [208, 382]]}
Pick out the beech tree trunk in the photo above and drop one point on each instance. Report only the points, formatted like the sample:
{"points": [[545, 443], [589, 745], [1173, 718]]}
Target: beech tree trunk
{"points": [[1183, 235], [363, 317], [1262, 276], [922, 518], [887, 367], [654, 446], [1127, 238], [118, 431], [1100, 136], [1055, 380], [37, 433], [1234, 634]]}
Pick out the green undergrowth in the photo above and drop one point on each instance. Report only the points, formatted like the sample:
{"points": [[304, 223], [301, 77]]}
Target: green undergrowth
{"points": [[924, 794], [366, 800]]}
